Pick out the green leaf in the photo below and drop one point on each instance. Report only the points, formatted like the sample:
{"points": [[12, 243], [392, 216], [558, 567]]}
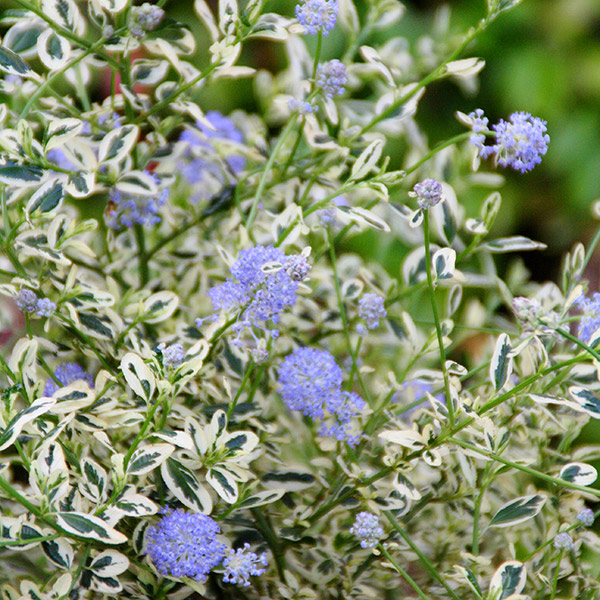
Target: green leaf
{"points": [[518, 510]]}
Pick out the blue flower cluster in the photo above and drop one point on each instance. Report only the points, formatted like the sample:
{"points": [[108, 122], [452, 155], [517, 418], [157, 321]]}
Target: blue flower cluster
{"points": [[317, 16], [262, 293], [366, 528], [519, 143], [586, 517], [371, 308], [28, 302], [173, 355], [241, 564], [67, 373], [332, 77], [590, 321], [428, 193], [563, 541], [197, 167], [184, 544], [310, 381], [126, 210]]}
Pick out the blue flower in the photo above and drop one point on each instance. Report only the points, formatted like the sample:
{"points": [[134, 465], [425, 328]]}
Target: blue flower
{"points": [[263, 294], [184, 544], [224, 129], [26, 300], [67, 373], [428, 193], [590, 321], [332, 77], [173, 355], [519, 143], [310, 381], [127, 210], [586, 517], [371, 308], [44, 307], [241, 564], [317, 16], [563, 541], [366, 528]]}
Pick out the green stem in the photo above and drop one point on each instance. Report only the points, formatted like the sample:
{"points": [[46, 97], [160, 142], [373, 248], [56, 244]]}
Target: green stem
{"points": [[142, 256], [556, 572], [424, 560], [591, 248], [265, 174], [436, 318], [579, 343], [524, 469], [401, 571], [270, 536], [234, 402]]}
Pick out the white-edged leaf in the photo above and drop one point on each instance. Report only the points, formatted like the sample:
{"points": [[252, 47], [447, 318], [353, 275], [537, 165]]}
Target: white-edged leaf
{"points": [[13, 429], [518, 510], [60, 552], [109, 563], [13, 64], [63, 12], [206, 16], [501, 365], [135, 505], [137, 182], [509, 578], [366, 161], [405, 487], [221, 481], [228, 16], [515, 243], [443, 263], [21, 175], [160, 306], [89, 526], [147, 458], [47, 198], [60, 131], [185, 487], [97, 326], [116, 144], [149, 72], [365, 217], [261, 498], [81, 184], [113, 6], [408, 438], [579, 473], [465, 67], [93, 484], [584, 401], [138, 375], [54, 50]]}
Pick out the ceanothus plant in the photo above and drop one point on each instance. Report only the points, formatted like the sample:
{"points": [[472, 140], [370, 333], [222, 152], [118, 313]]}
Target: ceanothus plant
{"points": [[215, 382]]}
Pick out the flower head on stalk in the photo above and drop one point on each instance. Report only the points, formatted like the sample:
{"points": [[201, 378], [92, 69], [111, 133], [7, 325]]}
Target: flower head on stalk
{"points": [[317, 16]]}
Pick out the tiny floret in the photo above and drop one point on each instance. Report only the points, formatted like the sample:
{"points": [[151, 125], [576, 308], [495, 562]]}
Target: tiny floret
{"points": [[173, 355], [590, 320], [44, 307], [332, 78], [184, 544], [586, 517], [310, 381], [297, 267], [241, 564], [563, 541], [366, 528], [67, 373], [26, 300], [144, 18], [428, 193], [304, 107], [479, 125], [317, 16], [371, 308]]}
